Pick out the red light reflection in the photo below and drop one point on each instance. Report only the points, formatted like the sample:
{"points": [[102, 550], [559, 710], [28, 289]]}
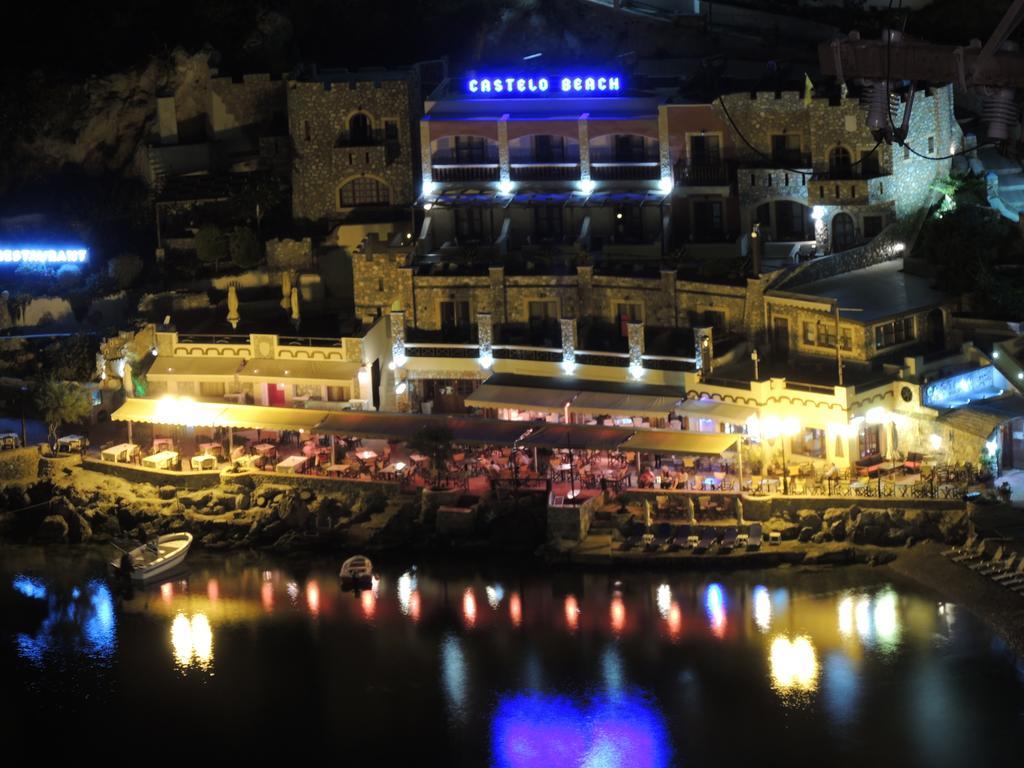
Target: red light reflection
{"points": [[675, 620], [572, 612], [618, 614], [313, 598], [469, 606], [267, 596], [368, 603], [213, 590], [515, 609]]}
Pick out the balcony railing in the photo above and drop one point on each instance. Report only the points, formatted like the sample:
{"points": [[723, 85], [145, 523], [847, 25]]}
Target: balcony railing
{"points": [[706, 175], [465, 173], [647, 171], [545, 171]]}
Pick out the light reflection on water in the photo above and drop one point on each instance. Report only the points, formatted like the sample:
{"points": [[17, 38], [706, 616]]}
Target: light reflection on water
{"points": [[571, 691]]}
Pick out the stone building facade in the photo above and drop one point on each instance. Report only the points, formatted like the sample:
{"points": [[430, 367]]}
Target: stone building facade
{"points": [[352, 135], [817, 166]]}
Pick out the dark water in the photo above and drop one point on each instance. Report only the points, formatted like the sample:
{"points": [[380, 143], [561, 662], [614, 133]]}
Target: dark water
{"points": [[462, 665]]}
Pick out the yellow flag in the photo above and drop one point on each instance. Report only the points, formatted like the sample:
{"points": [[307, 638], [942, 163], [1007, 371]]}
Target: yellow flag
{"points": [[808, 90]]}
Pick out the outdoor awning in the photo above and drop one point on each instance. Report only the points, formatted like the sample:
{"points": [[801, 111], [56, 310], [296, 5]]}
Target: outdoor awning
{"points": [[523, 398], [577, 436], [673, 442], [466, 430], [716, 409], [624, 404], [982, 417], [299, 371], [187, 413], [166, 368]]}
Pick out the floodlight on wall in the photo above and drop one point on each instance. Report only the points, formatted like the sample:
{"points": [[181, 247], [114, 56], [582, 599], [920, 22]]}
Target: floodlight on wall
{"points": [[401, 388], [587, 186], [486, 360], [505, 187], [428, 187], [818, 212], [665, 184]]}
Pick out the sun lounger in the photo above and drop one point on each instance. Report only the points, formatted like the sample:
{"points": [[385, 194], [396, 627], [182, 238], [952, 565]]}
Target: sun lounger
{"points": [[967, 546], [975, 553], [754, 539], [707, 538], [1011, 574], [1005, 566], [728, 541], [662, 532], [985, 564], [680, 538]]}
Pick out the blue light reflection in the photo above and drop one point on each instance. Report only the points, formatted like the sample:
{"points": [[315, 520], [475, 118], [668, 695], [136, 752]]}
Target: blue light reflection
{"points": [[81, 621], [532, 730]]}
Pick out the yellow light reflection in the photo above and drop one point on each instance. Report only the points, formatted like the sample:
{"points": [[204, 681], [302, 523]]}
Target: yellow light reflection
{"points": [[313, 598], [794, 664], [846, 617], [166, 591], [192, 641], [862, 618], [887, 623]]}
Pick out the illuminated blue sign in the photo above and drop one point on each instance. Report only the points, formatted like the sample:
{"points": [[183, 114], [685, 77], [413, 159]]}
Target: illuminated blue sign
{"points": [[29, 255], [539, 86]]}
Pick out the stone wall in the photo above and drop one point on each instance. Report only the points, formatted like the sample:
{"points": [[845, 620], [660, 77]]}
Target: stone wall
{"points": [[137, 474], [318, 123], [322, 484], [240, 111]]}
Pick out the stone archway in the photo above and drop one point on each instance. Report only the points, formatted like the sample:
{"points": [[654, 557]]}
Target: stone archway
{"points": [[844, 234]]}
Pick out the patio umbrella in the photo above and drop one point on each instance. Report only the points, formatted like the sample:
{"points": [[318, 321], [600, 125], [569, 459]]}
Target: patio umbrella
{"points": [[739, 511], [295, 307], [647, 514], [690, 511], [286, 289], [233, 316]]}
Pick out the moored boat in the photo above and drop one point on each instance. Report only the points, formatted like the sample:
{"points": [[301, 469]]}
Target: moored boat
{"points": [[356, 573], [155, 558]]}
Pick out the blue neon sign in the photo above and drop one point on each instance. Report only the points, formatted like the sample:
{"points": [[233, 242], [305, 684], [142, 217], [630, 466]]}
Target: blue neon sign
{"points": [[36, 255], [516, 85]]}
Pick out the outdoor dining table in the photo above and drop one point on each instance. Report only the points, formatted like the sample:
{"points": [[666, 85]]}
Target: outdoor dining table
{"points": [[335, 469], [120, 452], [394, 470], [212, 449], [9, 440], [265, 449], [70, 443], [291, 465], [203, 461], [366, 455], [247, 461], [162, 460]]}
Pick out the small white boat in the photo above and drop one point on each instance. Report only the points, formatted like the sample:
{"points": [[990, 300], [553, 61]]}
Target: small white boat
{"points": [[356, 573], [155, 558]]}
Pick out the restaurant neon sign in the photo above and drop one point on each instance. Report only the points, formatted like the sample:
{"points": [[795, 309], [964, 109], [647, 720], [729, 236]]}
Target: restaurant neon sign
{"points": [[28, 255], [523, 86]]}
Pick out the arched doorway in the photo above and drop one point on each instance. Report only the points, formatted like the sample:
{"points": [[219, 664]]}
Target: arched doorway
{"points": [[843, 233]]}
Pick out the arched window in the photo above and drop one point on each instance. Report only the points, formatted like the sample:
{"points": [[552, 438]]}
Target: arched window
{"points": [[364, 192], [843, 233], [359, 130], [839, 163]]}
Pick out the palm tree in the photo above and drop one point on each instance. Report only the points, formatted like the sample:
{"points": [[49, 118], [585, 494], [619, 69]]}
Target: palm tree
{"points": [[61, 402], [435, 442]]}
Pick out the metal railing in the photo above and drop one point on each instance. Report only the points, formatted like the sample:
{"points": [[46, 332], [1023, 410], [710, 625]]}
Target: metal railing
{"points": [[544, 171], [614, 171], [706, 175], [465, 173]]}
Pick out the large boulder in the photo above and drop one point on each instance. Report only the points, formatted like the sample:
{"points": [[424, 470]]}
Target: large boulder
{"points": [[805, 534], [868, 534], [832, 515], [167, 492], [54, 528], [787, 529], [292, 510], [79, 530], [953, 526], [838, 529], [808, 518]]}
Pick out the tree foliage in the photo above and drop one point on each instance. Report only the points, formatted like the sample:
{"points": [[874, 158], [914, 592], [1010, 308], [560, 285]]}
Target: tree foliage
{"points": [[434, 442], [59, 403], [211, 245], [245, 248]]}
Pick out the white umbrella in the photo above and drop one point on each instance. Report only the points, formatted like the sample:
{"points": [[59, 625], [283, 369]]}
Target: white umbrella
{"points": [[286, 289], [295, 307], [233, 316]]}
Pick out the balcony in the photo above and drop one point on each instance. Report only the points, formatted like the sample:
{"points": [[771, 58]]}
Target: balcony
{"points": [[625, 171], [371, 138], [706, 175], [465, 173], [545, 171], [761, 184], [846, 192]]}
